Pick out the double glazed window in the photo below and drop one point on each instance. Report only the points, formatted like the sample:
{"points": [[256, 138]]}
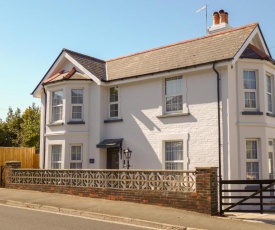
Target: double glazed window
{"points": [[252, 162], [174, 155], [77, 104], [269, 92], [56, 156], [57, 105], [250, 89], [113, 102], [76, 157], [174, 94]]}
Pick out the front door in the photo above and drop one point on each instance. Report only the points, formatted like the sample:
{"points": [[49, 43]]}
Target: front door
{"points": [[113, 158]]}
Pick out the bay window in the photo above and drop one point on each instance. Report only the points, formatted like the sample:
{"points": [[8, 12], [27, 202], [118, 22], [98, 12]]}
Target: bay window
{"points": [[252, 160], [56, 151], [57, 105], [77, 104], [250, 90]]}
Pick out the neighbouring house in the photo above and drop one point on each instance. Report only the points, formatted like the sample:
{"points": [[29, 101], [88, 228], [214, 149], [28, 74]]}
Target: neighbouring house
{"points": [[175, 107]]}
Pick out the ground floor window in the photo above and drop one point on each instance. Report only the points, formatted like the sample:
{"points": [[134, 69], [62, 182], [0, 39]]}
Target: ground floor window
{"points": [[56, 156], [252, 160], [76, 157], [174, 155]]}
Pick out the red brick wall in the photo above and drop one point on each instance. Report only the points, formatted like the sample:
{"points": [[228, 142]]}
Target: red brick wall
{"points": [[204, 200]]}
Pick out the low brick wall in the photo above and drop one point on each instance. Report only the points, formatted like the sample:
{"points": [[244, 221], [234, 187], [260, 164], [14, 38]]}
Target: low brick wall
{"points": [[203, 200]]}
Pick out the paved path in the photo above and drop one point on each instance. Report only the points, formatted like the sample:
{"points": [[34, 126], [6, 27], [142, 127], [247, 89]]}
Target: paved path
{"points": [[141, 214]]}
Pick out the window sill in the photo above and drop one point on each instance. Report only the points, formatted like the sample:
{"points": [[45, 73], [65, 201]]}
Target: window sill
{"points": [[270, 114], [252, 113], [56, 123], [76, 122], [173, 115], [113, 120]]}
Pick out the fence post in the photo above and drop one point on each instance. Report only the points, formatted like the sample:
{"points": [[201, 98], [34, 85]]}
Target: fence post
{"points": [[10, 165], [207, 189]]}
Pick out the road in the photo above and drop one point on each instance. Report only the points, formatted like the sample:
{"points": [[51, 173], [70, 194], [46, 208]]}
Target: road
{"points": [[13, 218]]}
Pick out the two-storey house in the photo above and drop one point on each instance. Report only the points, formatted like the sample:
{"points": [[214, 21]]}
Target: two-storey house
{"points": [[179, 106]]}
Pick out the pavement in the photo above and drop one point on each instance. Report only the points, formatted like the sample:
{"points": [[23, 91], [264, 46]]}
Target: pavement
{"points": [[156, 217]]}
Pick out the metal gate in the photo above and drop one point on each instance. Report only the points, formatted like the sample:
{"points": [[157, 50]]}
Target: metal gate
{"points": [[259, 194]]}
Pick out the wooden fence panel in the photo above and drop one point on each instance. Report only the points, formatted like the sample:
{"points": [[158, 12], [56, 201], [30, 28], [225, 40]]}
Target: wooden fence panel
{"points": [[27, 156]]}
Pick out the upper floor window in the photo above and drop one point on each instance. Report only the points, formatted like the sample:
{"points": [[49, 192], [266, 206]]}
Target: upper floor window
{"points": [[174, 94], [77, 104], [76, 157], [113, 100], [250, 89], [56, 156], [252, 160], [57, 105], [174, 155], [269, 93]]}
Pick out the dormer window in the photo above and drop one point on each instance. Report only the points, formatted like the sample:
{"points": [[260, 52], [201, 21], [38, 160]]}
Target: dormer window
{"points": [[57, 105]]}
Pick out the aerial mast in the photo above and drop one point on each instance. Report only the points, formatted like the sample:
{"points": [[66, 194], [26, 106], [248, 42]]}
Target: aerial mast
{"points": [[204, 7]]}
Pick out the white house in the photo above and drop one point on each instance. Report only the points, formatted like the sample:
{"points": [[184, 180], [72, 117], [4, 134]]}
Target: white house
{"points": [[162, 104]]}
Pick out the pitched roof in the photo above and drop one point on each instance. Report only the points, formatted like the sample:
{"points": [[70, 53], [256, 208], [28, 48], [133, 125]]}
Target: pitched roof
{"points": [[213, 47], [93, 65]]}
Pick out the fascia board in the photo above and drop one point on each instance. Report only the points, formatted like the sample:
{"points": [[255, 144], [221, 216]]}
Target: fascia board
{"points": [[73, 61], [246, 43], [37, 91]]}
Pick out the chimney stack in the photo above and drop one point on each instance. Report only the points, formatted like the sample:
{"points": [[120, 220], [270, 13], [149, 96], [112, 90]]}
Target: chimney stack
{"points": [[220, 22]]}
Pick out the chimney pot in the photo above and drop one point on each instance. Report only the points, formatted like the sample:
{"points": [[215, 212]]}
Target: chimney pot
{"points": [[216, 18], [226, 17], [222, 16]]}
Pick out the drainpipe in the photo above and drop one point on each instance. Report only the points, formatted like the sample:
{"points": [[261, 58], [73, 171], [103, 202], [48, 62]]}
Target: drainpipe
{"points": [[219, 136], [44, 131]]}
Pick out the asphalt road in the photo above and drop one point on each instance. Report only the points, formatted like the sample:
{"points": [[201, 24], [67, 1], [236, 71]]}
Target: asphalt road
{"points": [[12, 218]]}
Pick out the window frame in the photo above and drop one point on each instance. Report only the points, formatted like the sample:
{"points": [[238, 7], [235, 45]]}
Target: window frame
{"points": [[115, 102], [77, 105], [250, 91], [183, 137], [173, 161], [53, 105], [176, 94], [269, 94], [252, 160], [76, 162], [57, 162]]}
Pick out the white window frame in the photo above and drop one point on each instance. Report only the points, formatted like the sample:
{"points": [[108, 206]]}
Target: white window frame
{"points": [[252, 160], [115, 102], [251, 91], [54, 161], [269, 93], [77, 105], [53, 106], [174, 161], [78, 161], [183, 137], [175, 94]]}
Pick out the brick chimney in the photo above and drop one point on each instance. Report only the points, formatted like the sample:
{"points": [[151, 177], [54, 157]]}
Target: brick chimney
{"points": [[220, 22]]}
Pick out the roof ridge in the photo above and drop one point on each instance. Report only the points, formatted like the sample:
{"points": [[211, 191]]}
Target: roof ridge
{"points": [[185, 41], [97, 59], [54, 76]]}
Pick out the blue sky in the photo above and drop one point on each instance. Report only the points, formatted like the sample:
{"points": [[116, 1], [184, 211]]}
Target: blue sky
{"points": [[33, 33]]}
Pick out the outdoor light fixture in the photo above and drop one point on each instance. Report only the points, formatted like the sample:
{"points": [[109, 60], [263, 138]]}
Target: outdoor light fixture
{"points": [[127, 154]]}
